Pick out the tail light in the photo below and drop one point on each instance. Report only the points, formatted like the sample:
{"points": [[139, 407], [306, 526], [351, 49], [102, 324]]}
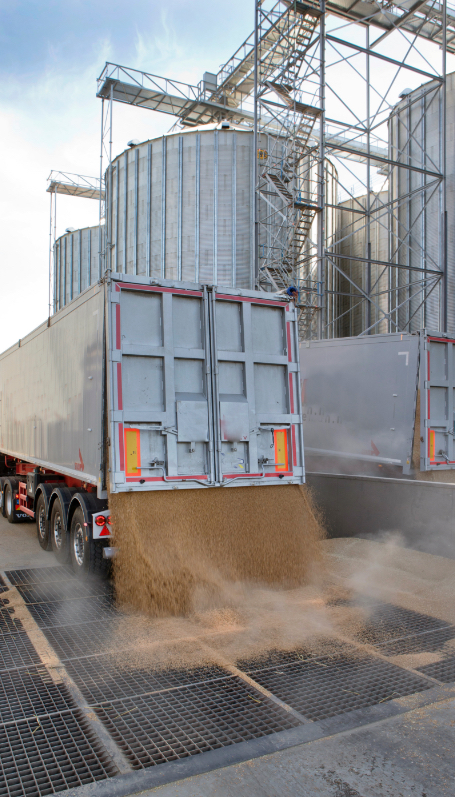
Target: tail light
{"points": [[100, 520], [108, 520]]}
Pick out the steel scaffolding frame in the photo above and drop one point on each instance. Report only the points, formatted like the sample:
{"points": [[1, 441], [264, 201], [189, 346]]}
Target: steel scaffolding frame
{"points": [[383, 295], [318, 83]]}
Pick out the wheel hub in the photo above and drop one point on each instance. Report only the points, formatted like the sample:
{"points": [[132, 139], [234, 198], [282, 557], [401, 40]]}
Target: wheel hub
{"points": [[42, 523], [78, 544], [58, 531], [9, 502]]}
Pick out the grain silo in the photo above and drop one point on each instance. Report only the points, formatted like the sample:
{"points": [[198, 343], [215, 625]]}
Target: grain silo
{"points": [[178, 207], [417, 237], [353, 236]]}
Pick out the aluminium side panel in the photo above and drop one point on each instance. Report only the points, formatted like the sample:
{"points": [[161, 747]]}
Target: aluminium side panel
{"points": [[203, 387], [359, 400], [51, 392]]}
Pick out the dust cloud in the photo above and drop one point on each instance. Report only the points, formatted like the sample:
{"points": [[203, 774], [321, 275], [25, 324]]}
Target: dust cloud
{"points": [[217, 575]]}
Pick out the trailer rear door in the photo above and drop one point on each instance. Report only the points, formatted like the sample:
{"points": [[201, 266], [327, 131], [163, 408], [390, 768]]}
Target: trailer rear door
{"points": [[203, 389]]}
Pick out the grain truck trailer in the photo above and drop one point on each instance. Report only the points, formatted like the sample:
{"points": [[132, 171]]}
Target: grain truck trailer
{"points": [[139, 385]]}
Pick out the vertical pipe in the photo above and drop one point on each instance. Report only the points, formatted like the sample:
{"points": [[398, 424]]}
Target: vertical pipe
{"points": [[197, 209], [136, 208], [321, 176], [179, 209], [215, 209], [64, 273], [100, 229], [234, 210], [89, 258], [59, 301], [79, 276], [445, 313], [117, 211], [368, 202], [163, 209], [71, 267], [255, 226], [51, 264], [149, 211], [125, 212]]}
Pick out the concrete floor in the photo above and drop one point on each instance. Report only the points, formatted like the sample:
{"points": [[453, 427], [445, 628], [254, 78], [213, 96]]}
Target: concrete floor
{"points": [[407, 756], [410, 754], [19, 547]]}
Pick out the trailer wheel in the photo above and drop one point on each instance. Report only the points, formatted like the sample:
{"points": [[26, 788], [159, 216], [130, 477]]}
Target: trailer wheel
{"points": [[80, 544], [86, 554], [42, 524], [10, 509], [59, 534]]}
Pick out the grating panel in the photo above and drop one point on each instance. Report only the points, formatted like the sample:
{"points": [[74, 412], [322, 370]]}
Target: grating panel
{"points": [[31, 692], [101, 680], [63, 590], [432, 641], [49, 754], [166, 726], [8, 623], [80, 640], [39, 575], [3, 587], [322, 688], [281, 658], [443, 670], [387, 622], [16, 650], [80, 610]]}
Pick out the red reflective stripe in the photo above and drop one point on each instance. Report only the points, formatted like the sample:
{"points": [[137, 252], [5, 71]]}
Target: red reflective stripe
{"points": [[442, 340], [117, 326], [291, 393], [121, 447], [288, 334], [294, 445], [119, 387]]}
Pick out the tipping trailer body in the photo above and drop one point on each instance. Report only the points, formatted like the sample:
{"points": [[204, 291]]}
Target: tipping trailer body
{"points": [[144, 385], [379, 424]]}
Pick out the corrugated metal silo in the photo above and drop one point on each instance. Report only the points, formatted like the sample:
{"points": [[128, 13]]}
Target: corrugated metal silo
{"points": [[417, 230], [352, 242]]}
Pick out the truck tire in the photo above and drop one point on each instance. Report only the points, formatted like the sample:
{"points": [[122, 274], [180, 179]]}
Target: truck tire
{"points": [[58, 534], [10, 509], [42, 524], [86, 554]]}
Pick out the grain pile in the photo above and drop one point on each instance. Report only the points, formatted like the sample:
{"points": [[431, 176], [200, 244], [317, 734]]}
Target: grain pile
{"points": [[179, 549]]}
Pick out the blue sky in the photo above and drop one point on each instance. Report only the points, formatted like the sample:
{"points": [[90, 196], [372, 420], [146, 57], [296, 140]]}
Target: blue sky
{"points": [[51, 52]]}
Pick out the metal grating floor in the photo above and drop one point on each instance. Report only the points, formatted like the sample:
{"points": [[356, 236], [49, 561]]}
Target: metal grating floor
{"points": [[74, 612], [72, 642], [16, 650], [326, 687], [3, 587], [39, 575], [100, 680], [157, 716], [8, 623], [443, 670], [153, 729], [431, 641], [62, 590], [31, 692], [387, 622], [47, 754]]}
